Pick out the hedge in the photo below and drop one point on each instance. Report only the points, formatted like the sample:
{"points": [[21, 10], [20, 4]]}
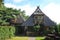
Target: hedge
{"points": [[6, 32]]}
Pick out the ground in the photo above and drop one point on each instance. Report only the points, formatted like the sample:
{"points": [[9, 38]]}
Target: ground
{"points": [[27, 38]]}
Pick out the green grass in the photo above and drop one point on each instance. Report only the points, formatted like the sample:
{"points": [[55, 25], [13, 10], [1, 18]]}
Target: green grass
{"points": [[40, 38], [26, 38], [19, 38]]}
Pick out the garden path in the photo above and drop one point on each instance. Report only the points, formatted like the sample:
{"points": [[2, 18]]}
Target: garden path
{"points": [[31, 38]]}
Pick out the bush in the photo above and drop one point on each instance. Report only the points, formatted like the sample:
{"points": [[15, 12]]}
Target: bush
{"points": [[6, 32], [36, 28], [58, 27]]}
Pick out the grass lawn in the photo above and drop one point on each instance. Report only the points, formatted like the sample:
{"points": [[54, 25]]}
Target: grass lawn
{"points": [[40, 38], [26, 38], [19, 38]]}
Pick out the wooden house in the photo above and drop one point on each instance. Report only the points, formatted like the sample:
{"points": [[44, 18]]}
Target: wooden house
{"points": [[17, 23], [37, 18], [18, 20]]}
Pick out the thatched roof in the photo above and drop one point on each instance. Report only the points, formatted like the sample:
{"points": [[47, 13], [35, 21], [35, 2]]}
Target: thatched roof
{"points": [[47, 20], [29, 21], [18, 20]]}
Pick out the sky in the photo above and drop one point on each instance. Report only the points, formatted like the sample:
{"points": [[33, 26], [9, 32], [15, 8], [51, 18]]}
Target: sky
{"points": [[50, 7]]}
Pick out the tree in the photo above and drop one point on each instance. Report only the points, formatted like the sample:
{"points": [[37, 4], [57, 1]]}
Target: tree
{"points": [[10, 13], [24, 15], [2, 4], [6, 32], [58, 28], [1, 1]]}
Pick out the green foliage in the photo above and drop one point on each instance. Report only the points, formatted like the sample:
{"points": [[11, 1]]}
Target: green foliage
{"points": [[23, 14], [40, 38], [35, 28], [1, 1], [58, 28], [55, 28], [26, 17], [6, 32], [2, 7], [10, 13]]}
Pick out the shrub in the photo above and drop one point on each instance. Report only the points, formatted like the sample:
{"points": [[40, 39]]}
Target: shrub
{"points": [[58, 28], [6, 32], [36, 28]]}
